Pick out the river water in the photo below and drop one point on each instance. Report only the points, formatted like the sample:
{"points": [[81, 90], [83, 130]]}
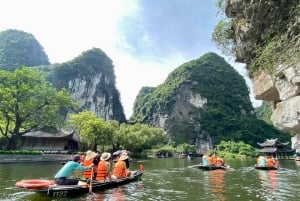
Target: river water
{"points": [[171, 179]]}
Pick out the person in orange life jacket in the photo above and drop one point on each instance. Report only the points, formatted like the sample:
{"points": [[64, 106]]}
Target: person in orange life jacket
{"points": [[103, 169], [220, 161], [66, 171], [96, 162], [120, 170], [270, 161], [211, 159], [88, 160]]}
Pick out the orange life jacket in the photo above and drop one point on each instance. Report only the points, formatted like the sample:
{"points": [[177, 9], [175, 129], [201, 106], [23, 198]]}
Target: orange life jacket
{"points": [[219, 161], [120, 169], [87, 173], [270, 162], [102, 172], [211, 160]]}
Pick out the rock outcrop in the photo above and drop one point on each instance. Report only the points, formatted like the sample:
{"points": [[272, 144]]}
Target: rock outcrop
{"points": [[91, 81], [257, 24], [195, 102]]}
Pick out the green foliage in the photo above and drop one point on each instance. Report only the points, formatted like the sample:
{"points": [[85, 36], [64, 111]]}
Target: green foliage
{"points": [[28, 101], [95, 131], [21, 152], [18, 49], [185, 148], [88, 63], [278, 42], [91, 130], [222, 36], [264, 112], [230, 149]]}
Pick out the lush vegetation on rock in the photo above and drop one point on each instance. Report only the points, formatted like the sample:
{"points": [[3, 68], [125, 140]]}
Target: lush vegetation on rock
{"points": [[227, 115], [278, 33], [18, 49]]}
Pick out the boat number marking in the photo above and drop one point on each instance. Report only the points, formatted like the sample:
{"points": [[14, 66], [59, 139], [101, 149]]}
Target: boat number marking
{"points": [[60, 194]]}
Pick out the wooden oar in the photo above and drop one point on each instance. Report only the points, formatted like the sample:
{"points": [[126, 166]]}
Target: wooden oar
{"points": [[91, 182], [191, 166]]}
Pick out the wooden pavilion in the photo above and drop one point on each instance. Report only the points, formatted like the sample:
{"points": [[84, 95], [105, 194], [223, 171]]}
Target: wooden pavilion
{"points": [[61, 142], [274, 148]]}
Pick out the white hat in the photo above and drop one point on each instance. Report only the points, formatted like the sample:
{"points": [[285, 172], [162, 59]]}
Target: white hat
{"points": [[90, 155], [105, 156], [123, 157]]}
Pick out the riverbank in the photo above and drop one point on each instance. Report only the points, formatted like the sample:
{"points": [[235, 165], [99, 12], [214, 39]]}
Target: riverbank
{"points": [[16, 158]]}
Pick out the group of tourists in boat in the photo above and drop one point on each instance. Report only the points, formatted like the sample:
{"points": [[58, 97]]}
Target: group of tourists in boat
{"points": [[212, 162], [94, 170], [267, 162], [95, 166]]}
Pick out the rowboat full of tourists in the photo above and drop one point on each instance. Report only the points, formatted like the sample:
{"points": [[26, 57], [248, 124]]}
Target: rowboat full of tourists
{"points": [[47, 187]]}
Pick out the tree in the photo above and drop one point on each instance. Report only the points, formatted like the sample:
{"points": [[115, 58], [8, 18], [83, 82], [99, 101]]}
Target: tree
{"points": [[29, 101], [91, 130]]}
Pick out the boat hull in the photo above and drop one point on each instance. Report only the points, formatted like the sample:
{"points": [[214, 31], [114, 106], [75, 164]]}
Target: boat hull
{"points": [[73, 190], [210, 167], [266, 167]]}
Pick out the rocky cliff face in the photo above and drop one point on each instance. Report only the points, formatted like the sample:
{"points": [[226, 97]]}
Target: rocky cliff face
{"points": [[195, 102], [255, 23], [91, 81]]}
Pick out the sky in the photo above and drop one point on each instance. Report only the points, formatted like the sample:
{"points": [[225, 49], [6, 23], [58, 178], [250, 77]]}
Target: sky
{"points": [[146, 39]]}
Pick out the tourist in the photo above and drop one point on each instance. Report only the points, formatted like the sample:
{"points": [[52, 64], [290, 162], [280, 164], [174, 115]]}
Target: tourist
{"points": [[66, 171], [220, 161], [88, 160], [204, 160], [261, 161], [120, 170], [211, 159], [103, 169], [270, 161]]}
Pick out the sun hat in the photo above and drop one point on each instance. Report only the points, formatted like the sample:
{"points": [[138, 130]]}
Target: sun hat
{"points": [[123, 157], [90, 155], [76, 158], [105, 156]]}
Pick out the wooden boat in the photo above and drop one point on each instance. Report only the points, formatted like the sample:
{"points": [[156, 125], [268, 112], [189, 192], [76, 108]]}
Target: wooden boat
{"points": [[266, 167], [211, 167], [54, 190]]}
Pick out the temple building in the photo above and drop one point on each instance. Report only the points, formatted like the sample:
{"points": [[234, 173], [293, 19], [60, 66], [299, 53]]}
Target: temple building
{"points": [[61, 142], [274, 148]]}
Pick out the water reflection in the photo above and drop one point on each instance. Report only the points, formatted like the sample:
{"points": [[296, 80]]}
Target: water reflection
{"points": [[215, 181], [268, 181], [116, 194], [297, 163]]}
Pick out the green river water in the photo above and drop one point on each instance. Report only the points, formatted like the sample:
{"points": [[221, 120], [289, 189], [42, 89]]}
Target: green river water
{"points": [[170, 179]]}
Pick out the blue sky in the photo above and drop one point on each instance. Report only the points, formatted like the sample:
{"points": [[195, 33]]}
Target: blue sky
{"points": [[146, 39]]}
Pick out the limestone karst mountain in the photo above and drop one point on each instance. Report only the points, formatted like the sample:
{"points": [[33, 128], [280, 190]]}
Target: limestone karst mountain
{"points": [[202, 101]]}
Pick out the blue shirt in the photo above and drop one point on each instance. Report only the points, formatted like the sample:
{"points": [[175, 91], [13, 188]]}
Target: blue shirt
{"points": [[205, 162], [68, 169]]}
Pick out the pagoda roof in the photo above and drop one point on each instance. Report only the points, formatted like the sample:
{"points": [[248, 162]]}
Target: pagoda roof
{"points": [[268, 150], [272, 143], [43, 134]]}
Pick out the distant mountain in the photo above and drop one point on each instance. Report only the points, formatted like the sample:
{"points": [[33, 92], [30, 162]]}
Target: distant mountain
{"points": [[18, 49], [89, 77], [202, 101], [91, 80]]}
